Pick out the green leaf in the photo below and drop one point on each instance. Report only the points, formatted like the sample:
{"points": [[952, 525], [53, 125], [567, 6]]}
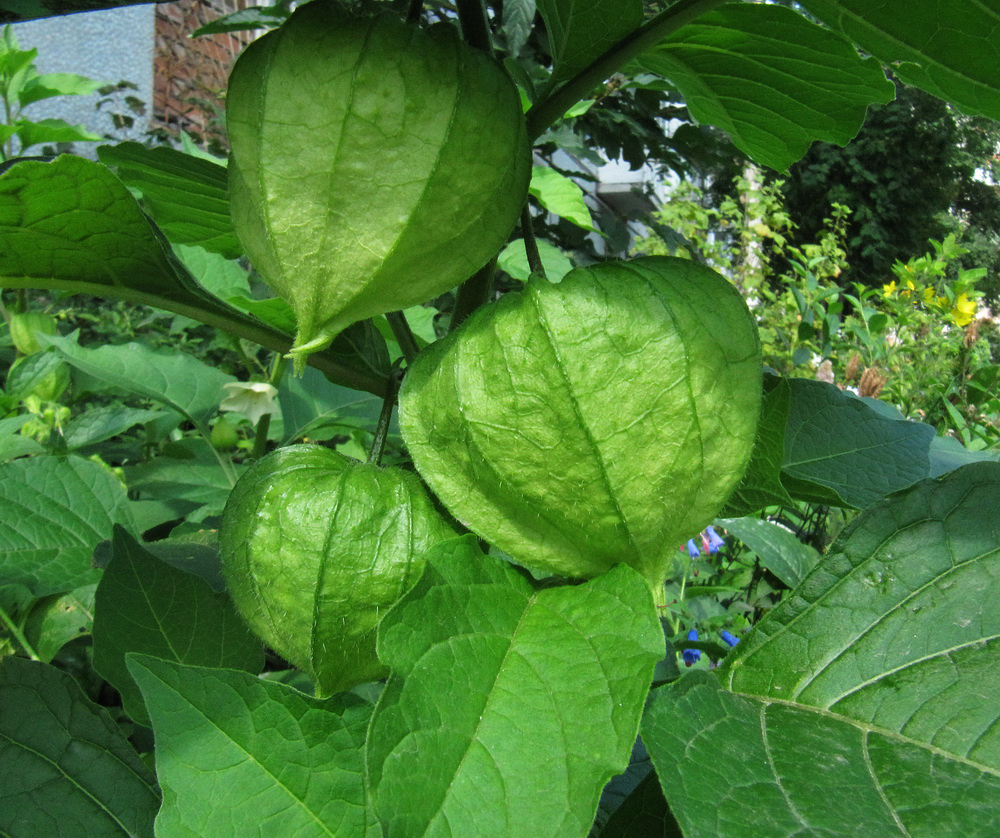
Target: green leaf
{"points": [[101, 423], [237, 755], [65, 767], [948, 51], [733, 766], [310, 402], [560, 195], [71, 225], [873, 673], [179, 381], [761, 485], [581, 30], [256, 17], [145, 605], [771, 79], [47, 85], [186, 195], [56, 620], [777, 548], [53, 512], [550, 684], [32, 133], [837, 442], [222, 277], [199, 480], [518, 21], [12, 444], [514, 260], [528, 421]]}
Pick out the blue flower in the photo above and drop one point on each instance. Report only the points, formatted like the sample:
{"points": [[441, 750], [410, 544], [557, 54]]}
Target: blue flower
{"points": [[693, 551], [691, 656], [715, 542], [731, 639]]}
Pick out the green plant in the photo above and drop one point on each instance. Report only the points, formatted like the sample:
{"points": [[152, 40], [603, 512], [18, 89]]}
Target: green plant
{"points": [[516, 684], [21, 85]]}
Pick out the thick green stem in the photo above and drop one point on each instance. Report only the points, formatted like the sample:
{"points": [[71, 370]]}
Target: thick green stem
{"points": [[475, 30], [551, 108], [473, 293], [404, 335], [264, 423], [530, 244]]}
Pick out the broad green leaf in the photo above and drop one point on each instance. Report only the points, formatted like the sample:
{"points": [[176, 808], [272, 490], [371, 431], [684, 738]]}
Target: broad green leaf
{"points": [[12, 443], [310, 402], [839, 443], [948, 454], [561, 196], [56, 620], [771, 79], [877, 666], [173, 378], [581, 30], [948, 50], [199, 480], [732, 766], [225, 278], [529, 420], [47, 85], [101, 423], [145, 605], [65, 767], [546, 687], [892, 627], [761, 485], [256, 17], [237, 755], [53, 512], [44, 375], [71, 225], [186, 195], [514, 260], [51, 131], [777, 548], [518, 21]]}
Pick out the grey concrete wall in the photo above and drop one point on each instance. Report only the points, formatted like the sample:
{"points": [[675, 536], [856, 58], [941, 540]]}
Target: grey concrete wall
{"points": [[108, 45]]}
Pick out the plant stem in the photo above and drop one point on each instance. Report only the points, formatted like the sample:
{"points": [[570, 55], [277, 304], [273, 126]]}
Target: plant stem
{"points": [[551, 108], [472, 294], [404, 334], [416, 9], [18, 635], [475, 30], [264, 423], [385, 417], [530, 243]]}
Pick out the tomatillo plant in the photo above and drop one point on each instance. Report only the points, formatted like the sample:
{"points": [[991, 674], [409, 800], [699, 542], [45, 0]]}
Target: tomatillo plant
{"points": [[466, 640]]}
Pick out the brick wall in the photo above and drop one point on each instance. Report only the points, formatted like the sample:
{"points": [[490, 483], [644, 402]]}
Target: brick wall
{"points": [[189, 78]]}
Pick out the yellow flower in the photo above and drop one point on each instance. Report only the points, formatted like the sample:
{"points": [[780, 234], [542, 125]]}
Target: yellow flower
{"points": [[964, 310], [890, 289]]}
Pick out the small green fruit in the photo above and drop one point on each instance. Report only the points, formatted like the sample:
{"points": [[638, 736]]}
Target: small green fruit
{"points": [[316, 547], [224, 435], [25, 327], [600, 420], [374, 165]]}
